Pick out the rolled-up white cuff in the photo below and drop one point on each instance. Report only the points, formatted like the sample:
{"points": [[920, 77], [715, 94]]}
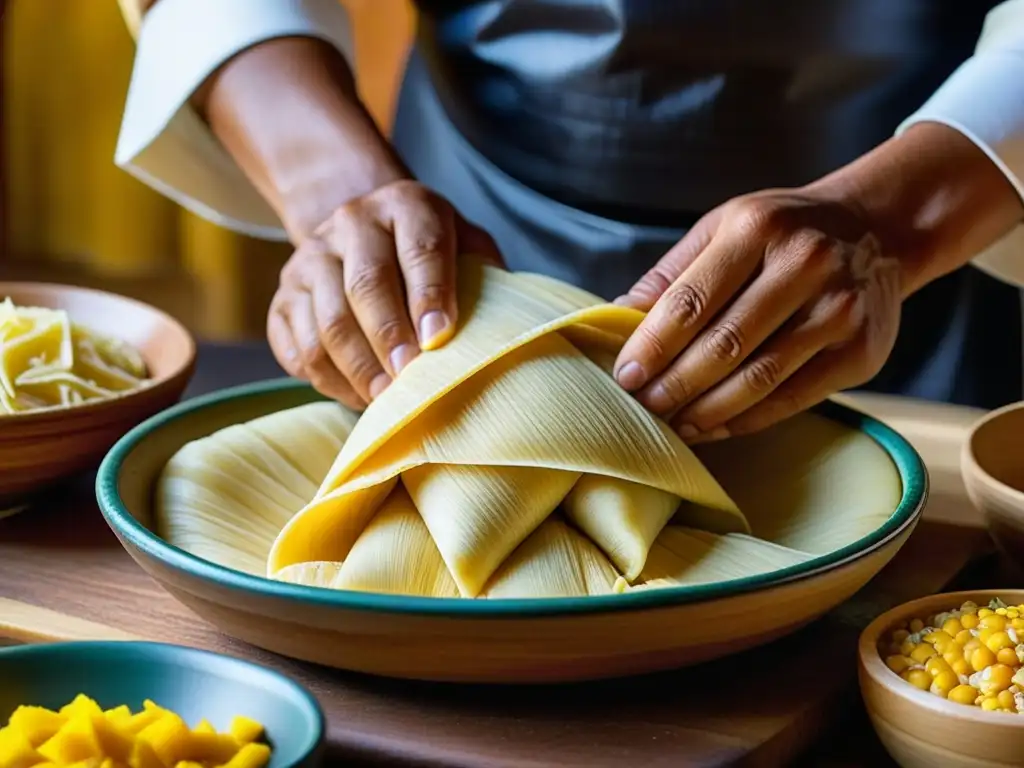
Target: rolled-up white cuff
{"points": [[164, 143], [984, 100]]}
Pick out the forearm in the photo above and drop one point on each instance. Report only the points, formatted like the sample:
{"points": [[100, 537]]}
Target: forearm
{"points": [[932, 197], [288, 112]]}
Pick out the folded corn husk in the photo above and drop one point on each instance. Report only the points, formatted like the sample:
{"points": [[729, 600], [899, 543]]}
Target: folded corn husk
{"points": [[506, 464]]}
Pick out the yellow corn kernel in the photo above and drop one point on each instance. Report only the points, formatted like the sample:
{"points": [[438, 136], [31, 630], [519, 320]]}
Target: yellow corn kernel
{"points": [[918, 678], [944, 682], [962, 667], [983, 612], [963, 694], [981, 658], [907, 646], [971, 646], [952, 627], [969, 621], [999, 640], [916, 625], [985, 633], [922, 653], [1005, 699], [994, 621], [1017, 624], [997, 678], [1007, 656], [963, 637], [899, 636], [1001, 611], [1012, 613], [954, 652], [936, 665], [991, 704], [250, 756]]}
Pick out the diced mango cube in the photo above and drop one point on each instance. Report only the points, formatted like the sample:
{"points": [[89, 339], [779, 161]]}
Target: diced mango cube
{"points": [[74, 742], [81, 704], [246, 730], [16, 751], [118, 715], [205, 726], [189, 764], [139, 721], [115, 743], [211, 748], [36, 724], [143, 756], [250, 756], [169, 737]]}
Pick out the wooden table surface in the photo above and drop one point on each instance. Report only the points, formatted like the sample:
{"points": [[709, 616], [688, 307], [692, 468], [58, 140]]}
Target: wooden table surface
{"points": [[86, 558]]}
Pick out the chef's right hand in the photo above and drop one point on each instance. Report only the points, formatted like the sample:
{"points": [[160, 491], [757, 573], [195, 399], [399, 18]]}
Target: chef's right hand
{"points": [[373, 286]]}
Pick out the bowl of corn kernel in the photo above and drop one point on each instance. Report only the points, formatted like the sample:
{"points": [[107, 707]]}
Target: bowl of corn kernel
{"points": [[943, 679], [150, 705]]}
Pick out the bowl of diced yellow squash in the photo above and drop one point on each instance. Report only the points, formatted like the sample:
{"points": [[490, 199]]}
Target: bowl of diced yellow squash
{"points": [[150, 705]]}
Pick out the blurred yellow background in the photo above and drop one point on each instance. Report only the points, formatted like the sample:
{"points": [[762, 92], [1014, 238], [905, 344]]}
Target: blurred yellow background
{"points": [[71, 216]]}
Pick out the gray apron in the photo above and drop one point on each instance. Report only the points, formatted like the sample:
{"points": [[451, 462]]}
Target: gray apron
{"points": [[587, 137]]}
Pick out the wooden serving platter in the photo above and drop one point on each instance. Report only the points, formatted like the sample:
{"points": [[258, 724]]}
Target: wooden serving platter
{"points": [[760, 708]]}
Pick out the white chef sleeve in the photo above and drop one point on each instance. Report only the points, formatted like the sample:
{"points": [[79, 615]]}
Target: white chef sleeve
{"points": [[179, 43], [984, 100]]}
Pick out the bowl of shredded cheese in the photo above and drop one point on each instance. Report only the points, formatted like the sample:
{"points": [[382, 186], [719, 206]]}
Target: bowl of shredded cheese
{"points": [[150, 705], [78, 369], [943, 679]]}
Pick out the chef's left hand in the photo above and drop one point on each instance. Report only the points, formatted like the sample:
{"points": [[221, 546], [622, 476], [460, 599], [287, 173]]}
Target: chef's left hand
{"points": [[771, 303]]}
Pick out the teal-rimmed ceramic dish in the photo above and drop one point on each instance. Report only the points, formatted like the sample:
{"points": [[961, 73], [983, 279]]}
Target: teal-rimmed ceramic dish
{"points": [[522, 640], [195, 684]]}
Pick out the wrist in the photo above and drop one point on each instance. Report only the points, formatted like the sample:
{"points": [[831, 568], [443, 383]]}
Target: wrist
{"points": [[932, 198], [288, 112]]}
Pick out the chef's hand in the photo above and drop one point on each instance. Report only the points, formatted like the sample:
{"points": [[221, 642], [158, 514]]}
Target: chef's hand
{"points": [[372, 287], [770, 304]]}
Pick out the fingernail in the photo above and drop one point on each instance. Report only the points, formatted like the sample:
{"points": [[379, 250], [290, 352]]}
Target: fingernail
{"points": [[401, 356], [688, 432], [432, 325], [631, 376], [379, 384]]}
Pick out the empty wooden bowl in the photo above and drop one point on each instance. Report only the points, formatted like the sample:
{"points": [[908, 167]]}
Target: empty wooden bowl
{"points": [[524, 640], [40, 447], [920, 729], [194, 684], [992, 465]]}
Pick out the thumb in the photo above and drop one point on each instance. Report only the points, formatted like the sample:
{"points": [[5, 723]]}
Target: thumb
{"points": [[649, 288]]}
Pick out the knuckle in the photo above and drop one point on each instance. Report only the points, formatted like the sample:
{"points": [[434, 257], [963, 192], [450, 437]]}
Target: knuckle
{"points": [[424, 250], [753, 217], [362, 369], [687, 303], [675, 387], [364, 282], [724, 342], [335, 330], [390, 333], [763, 374], [651, 342], [427, 296], [314, 359]]}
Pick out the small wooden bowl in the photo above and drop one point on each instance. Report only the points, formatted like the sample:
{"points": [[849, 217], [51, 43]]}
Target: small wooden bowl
{"points": [[992, 465], [195, 684], [540, 640], [38, 448], [919, 729]]}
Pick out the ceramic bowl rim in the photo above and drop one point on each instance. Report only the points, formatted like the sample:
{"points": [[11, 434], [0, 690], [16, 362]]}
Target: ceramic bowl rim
{"points": [[186, 364], [872, 663], [969, 464], [911, 470], [164, 653]]}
